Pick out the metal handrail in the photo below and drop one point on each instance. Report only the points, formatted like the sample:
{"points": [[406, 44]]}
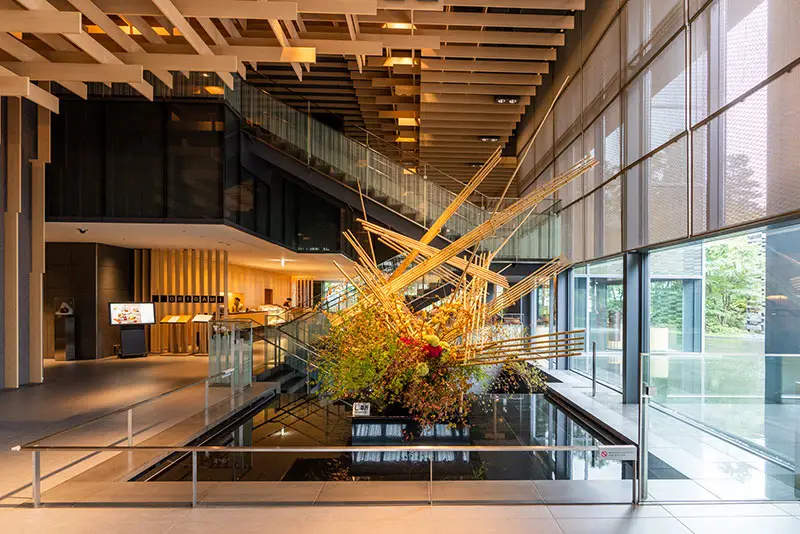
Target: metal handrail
{"points": [[351, 448], [128, 408], [605, 450]]}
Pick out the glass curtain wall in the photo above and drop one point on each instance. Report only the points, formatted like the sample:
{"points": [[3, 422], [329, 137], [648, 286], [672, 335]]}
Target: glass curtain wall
{"points": [[724, 336], [596, 306], [691, 111]]}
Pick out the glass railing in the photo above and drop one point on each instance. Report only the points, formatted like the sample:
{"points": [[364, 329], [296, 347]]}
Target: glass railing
{"points": [[380, 177]]}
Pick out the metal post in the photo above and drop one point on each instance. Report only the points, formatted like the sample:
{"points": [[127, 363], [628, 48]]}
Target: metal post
{"points": [[37, 480], [194, 479], [634, 478], [130, 427], [594, 368], [233, 389], [206, 393], [308, 135], [643, 406], [430, 478]]}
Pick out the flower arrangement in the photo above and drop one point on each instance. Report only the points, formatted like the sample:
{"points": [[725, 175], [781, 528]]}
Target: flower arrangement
{"points": [[366, 359]]}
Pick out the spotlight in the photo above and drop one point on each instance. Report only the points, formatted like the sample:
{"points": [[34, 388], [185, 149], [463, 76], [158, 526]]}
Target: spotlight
{"points": [[489, 138], [83, 230], [506, 99], [475, 165]]}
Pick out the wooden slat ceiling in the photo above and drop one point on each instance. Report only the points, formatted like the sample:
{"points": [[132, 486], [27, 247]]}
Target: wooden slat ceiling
{"points": [[417, 79], [431, 96]]}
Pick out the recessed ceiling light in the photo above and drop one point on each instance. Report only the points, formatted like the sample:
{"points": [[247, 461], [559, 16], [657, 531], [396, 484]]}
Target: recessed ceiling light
{"points": [[399, 26], [489, 138], [505, 99]]}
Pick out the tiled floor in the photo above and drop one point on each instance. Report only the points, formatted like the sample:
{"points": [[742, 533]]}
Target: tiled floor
{"points": [[74, 392], [716, 469], [541, 519]]}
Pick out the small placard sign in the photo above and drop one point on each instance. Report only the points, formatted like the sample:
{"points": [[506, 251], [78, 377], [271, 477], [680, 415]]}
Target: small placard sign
{"points": [[626, 454], [361, 409]]}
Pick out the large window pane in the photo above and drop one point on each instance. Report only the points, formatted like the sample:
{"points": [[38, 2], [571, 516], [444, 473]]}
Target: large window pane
{"points": [[604, 220], [544, 145], [573, 190], [648, 24], [725, 348], [656, 191], [601, 80], [737, 44], [568, 114], [746, 159], [656, 103], [596, 305], [603, 141]]}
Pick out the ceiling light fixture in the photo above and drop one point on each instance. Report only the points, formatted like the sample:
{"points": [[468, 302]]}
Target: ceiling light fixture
{"points": [[489, 138], [399, 26], [407, 121], [401, 139], [505, 99]]}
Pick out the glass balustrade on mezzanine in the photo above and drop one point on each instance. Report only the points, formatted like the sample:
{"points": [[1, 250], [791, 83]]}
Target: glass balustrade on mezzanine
{"points": [[359, 166]]}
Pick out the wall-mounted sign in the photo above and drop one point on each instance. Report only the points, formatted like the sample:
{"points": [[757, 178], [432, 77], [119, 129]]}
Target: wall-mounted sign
{"points": [[361, 409], [618, 454], [188, 298]]}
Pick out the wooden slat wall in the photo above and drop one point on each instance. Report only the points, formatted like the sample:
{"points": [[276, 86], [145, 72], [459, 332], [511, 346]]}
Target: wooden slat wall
{"points": [[179, 272]]}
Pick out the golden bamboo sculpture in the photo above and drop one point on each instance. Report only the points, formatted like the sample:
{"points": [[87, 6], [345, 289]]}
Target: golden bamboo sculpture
{"points": [[465, 319]]}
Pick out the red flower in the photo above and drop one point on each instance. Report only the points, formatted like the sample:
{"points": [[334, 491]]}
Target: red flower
{"points": [[433, 352]]}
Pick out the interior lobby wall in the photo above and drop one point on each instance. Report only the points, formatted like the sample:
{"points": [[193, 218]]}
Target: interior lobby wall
{"points": [[251, 282], [114, 284], [92, 275]]}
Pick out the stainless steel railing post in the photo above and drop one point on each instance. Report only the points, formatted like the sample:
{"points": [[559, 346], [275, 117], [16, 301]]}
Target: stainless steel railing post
{"points": [[130, 427], [594, 368], [194, 479], [430, 478], [644, 403], [37, 480]]}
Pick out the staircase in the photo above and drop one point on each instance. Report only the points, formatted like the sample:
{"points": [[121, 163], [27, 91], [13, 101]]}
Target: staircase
{"points": [[350, 167]]}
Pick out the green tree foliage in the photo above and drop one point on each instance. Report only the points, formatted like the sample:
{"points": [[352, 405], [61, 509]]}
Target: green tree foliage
{"points": [[734, 281]]}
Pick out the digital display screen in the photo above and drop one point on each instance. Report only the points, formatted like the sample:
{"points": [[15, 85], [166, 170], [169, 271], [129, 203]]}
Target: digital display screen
{"points": [[132, 313]]}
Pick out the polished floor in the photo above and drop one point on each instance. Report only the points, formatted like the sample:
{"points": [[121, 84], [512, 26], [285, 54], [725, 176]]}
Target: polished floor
{"points": [[715, 469], [74, 392], [604, 519]]}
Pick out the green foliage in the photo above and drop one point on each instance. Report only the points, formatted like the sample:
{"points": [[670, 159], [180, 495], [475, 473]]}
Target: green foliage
{"points": [[734, 282]]}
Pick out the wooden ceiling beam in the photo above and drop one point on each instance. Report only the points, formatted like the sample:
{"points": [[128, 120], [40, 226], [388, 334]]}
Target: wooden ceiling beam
{"points": [[575, 5], [85, 42], [40, 21], [175, 16], [480, 78], [469, 89], [495, 37], [492, 52], [90, 9], [19, 50], [457, 65], [222, 9], [181, 62], [77, 72], [495, 109], [495, 20]]}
